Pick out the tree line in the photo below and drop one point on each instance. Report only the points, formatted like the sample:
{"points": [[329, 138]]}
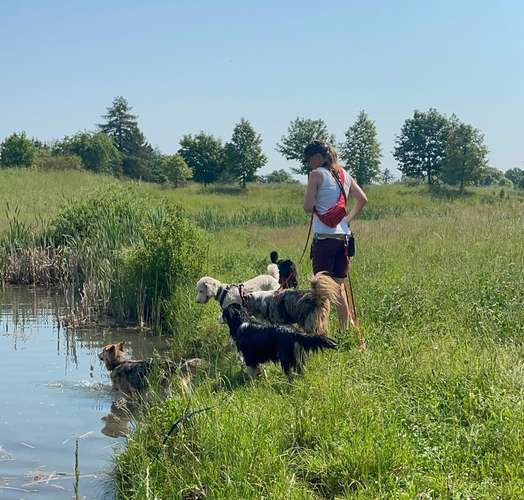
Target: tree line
{"points": [[431, 147]]}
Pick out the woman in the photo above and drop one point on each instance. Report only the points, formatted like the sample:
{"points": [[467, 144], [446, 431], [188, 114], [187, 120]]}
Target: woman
{"points": [[328, 188]]}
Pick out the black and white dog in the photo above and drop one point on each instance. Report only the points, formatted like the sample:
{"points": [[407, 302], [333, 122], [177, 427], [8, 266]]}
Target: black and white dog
{"points": [[287, 270], [259, 343]]}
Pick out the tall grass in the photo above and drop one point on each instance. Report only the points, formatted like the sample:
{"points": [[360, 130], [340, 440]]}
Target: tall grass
{"points": [[433, 408]]}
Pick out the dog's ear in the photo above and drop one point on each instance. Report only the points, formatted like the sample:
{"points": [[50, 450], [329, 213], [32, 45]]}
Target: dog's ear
{"points": [[121, 345], [112, 348], [211, 286]]}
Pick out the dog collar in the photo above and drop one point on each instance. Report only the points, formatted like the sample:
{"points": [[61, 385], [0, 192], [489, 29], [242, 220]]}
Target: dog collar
{"points": [[221, 294]]}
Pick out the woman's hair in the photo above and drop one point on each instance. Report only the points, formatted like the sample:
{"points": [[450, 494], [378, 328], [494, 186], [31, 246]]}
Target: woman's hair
{"points": [[328, 152]]}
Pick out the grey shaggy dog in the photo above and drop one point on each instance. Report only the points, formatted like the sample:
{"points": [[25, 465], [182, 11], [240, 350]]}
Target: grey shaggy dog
{"points": [[129, 376], [307, 308]]}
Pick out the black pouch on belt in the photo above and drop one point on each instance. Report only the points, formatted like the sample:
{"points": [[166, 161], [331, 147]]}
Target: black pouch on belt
{"points": [[351, 245]]}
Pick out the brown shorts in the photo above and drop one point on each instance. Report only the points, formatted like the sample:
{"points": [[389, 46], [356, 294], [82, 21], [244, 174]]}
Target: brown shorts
{"points": [[330, 255]]}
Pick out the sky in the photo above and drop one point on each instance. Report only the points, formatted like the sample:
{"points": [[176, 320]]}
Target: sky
{"points": [[187, 66]]}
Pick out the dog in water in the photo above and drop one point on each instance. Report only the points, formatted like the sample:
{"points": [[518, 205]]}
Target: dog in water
{"points": [[259, 343], [287, 270], [129, 376], [308, 308]]}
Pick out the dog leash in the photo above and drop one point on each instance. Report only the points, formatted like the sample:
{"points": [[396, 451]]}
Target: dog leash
{"points": [[307, 239], [355, 322]]}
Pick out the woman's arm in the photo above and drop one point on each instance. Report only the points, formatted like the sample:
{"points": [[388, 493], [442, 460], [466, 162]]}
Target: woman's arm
{"points": [[313, 183], [355, 191]]}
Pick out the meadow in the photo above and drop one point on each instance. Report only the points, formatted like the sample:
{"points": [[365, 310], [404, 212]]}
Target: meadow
{"points": [[434, 406]]}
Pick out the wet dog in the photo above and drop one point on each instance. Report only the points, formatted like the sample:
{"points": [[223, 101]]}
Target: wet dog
{"points": [[129, 376], [259, 343], [307, 308], [287, 270]]}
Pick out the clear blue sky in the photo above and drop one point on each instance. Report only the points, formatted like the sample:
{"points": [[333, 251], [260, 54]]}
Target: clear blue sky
{"points": [[187, 66]]}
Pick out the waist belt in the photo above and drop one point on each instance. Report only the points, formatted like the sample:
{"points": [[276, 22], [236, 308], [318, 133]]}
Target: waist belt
{"points": [[333, 236]]}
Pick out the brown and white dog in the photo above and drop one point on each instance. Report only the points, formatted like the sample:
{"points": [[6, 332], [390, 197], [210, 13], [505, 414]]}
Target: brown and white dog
{"points": [[129, 376], [307, 308]]}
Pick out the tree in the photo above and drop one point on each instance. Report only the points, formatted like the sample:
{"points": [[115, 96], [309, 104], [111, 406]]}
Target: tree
{"points": [[299, 134], [489, 176], [122, 126], [204, 154], [96, 150], [465, 154], [279, 177], [138, 156], [17, 151], [421, 147], [173, 169], [243, 154], [387, 177], [361, 150], [515, 175]]}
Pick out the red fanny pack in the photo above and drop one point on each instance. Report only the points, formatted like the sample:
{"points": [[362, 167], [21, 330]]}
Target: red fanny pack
{"points": [[334, 215]]}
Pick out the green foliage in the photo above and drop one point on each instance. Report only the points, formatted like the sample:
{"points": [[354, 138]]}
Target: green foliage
{"points": [[465, 154], [172, 169], [300, 133], [279, 177], [122, 126], [97, 151], [421, 147], [138, 157], [515, 175], [153, 273], [48, 162], [243, 154], [490, 176], [17, 151], [204, 154], [361, 150]]}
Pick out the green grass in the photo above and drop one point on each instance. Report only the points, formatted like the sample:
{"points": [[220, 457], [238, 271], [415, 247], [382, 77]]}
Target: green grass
{"points": [[433, 408]]}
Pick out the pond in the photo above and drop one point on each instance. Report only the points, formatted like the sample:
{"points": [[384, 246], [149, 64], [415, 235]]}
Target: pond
{"points": [[53, 392]]}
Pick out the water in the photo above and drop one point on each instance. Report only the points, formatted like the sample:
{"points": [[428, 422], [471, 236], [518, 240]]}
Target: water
{"points": [[53, 391]]}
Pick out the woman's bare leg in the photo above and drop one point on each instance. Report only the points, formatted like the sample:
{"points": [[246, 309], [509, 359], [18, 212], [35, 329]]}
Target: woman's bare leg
{"points": [[342, 305]]}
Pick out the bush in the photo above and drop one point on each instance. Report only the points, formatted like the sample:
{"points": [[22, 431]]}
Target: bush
{"points": [[47, 162], [17, 151], [97, 151], [156, 273]]}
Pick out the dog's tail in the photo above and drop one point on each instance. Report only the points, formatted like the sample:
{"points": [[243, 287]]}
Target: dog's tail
{"points": [[272, 270], [274, 256], [314, 342], [324, 288]]}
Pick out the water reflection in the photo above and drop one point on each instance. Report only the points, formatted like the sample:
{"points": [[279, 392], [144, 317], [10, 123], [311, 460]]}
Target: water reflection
{"points": [[55, 391]]}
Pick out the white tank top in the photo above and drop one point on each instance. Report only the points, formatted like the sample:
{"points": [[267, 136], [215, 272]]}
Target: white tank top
{"points": [[327, 197]]}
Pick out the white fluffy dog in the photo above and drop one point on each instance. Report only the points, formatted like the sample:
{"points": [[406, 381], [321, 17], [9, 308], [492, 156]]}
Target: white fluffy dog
{"points": [[225, 294]]}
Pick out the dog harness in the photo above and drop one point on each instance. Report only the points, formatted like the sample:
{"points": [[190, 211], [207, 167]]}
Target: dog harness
{"points": [[223, 291]]}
